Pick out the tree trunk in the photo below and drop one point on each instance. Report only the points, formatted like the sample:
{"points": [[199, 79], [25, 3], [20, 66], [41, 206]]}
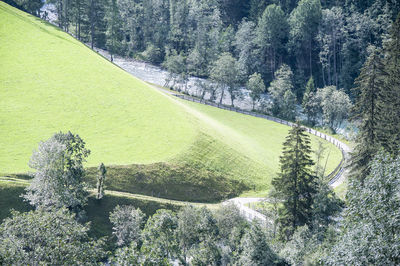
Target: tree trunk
{"points": [[222, 94], [334, 60], [79, 20], [91, 23], [310, 56]]}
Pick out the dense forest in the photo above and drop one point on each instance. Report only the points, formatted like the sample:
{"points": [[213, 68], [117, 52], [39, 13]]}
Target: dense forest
{"points": [[349, 48]]}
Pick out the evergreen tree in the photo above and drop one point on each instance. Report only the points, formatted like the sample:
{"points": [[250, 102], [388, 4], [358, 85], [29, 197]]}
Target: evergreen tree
{"points": [[96, 23], [369, 234], [114, 28], [304, 21], [271, 37], [245, 48], [311, 106], [368, 91], [255, 248], [295, 182], [31, 6], [389, 120], [101, 177], [283, 99]]}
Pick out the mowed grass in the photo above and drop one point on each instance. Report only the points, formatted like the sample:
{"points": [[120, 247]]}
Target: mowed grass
{"points": [[262, 141], [152, 143], [50, 82]]}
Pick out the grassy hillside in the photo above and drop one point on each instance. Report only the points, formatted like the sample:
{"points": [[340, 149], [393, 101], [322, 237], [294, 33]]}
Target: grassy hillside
{"points": [[152, 143], [50, 82]]}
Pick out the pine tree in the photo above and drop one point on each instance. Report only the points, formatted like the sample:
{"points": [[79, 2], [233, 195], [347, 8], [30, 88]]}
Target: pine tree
{"points": [[296, 182], [389, 120], [369, 85]]}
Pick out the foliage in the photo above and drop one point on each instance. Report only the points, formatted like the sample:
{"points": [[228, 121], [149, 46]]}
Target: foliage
{"points": [[57, 181], [114, 28], [295, 182], [103, 97], [389, 118], [336, 106], [224, 72], [127, 224], [31, 6], [371, 219], [245, 49], [159, 239], [271, 35], [256, 86], [41, 237], [176, 66], [196, 234], [303, 22], [366, 109], [326, 206], [310, 104], [255, 249], [283, 99]]}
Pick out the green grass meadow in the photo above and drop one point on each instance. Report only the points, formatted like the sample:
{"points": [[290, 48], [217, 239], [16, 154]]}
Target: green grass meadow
{"points": [[152, 143]]}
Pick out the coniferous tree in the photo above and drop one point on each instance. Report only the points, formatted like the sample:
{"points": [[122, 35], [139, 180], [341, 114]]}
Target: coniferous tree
{"points": [[389, 120], [101, 177], [271, 37], [295, 182], [283, 99], [304, 21], [114, 28], [369, 86], [311, 106]]}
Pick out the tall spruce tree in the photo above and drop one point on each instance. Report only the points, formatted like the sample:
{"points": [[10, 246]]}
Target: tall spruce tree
{"points": [[389, 120], [369, 85], [296, 183]]}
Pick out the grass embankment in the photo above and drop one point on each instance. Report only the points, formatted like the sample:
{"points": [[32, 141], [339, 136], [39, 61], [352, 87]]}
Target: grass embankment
{"points": [[152, 143]]}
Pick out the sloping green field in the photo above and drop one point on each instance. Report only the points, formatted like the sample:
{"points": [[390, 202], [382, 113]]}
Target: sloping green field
{"points": [[152, 143]]}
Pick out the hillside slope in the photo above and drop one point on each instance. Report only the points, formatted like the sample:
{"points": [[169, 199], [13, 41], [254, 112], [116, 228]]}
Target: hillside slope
{"points": [[152, 143]]}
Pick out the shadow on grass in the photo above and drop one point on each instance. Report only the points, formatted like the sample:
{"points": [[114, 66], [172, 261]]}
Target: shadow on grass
{"points": [[176, 182]]}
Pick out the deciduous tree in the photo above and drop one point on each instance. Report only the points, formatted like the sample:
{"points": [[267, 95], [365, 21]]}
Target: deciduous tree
{"points": [[127, 224], [58, 180], [256, 86], [47, 238]]}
